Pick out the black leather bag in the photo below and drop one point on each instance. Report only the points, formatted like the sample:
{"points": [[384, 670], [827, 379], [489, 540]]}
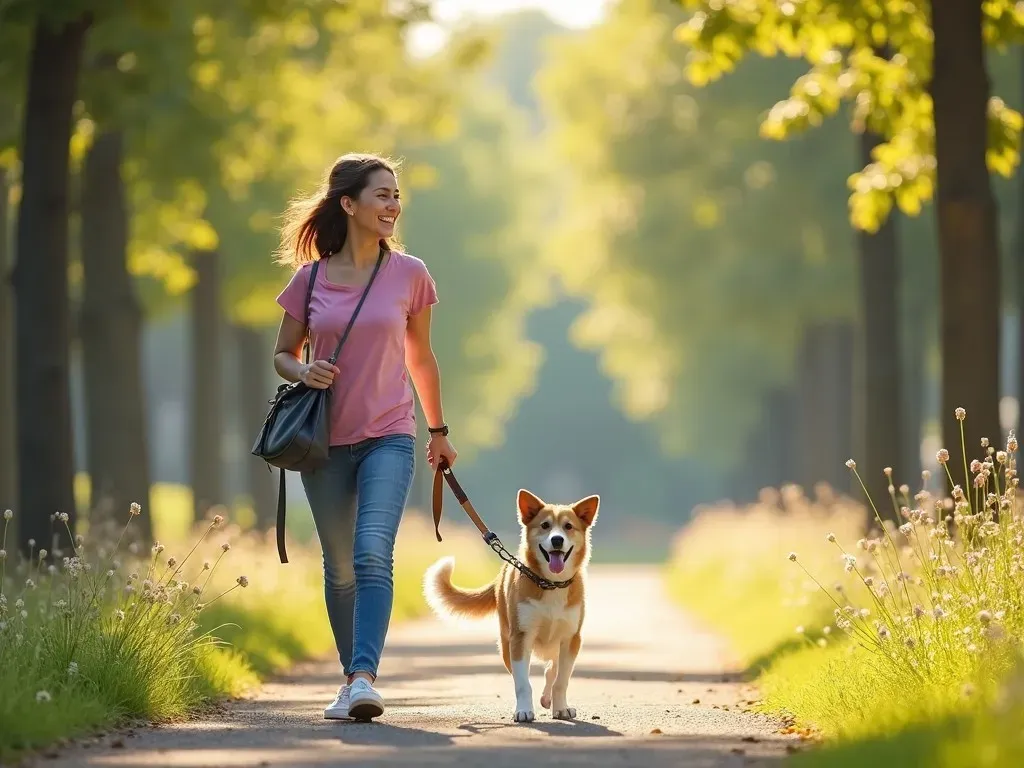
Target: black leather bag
{"points": [[296, 433]]}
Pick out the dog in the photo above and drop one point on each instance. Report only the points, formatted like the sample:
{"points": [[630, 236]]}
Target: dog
{"points": [[533, 622]]}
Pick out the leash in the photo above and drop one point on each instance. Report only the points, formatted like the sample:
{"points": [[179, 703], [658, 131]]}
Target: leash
{"points": [[490, 537]]}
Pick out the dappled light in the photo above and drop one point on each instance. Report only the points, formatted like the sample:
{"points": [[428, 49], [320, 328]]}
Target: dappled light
{"points": [[749, 271]]}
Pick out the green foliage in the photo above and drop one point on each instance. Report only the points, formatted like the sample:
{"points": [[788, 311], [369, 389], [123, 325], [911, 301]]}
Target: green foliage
{"points": [[888, 94], [474, 222], [702, 249]]}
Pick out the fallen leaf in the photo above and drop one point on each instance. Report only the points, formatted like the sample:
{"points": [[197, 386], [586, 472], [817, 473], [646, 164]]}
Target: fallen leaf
{"points": [[695, 701], [656, 730]]}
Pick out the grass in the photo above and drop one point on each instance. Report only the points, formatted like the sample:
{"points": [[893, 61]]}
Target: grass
{"points": [[921, 658], [111, 632]]}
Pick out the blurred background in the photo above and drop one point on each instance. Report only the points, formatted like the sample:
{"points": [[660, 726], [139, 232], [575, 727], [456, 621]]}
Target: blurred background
{"points": [[657, 285]]}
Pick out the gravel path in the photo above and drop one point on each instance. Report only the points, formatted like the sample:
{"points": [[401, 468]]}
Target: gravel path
{"points": [[650, 688]]}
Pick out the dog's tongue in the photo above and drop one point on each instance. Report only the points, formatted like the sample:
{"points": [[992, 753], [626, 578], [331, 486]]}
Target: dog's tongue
{"points": [[556, 562]]}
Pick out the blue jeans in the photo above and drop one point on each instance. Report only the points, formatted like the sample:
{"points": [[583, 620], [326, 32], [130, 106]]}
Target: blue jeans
{"points": [[357, 502]]}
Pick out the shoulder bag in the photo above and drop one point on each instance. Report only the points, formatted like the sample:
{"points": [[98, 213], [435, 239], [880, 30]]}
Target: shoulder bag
{"points": [[296, 433]]}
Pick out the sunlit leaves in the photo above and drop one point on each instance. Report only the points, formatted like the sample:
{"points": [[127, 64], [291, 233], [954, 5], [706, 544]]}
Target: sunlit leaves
{"points": [[841, 40]]}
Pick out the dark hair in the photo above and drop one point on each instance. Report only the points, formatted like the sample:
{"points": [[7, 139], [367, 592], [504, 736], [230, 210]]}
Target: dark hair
{"points": [[316, 226]]}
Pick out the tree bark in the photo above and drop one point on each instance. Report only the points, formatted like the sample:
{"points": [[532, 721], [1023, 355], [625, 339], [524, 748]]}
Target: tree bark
{"points": [[880, 418], [111, 335], [207, 422], [1019, 246], [254, 395], [8, 414], [825, 385], [45, 450], [967, 231]]}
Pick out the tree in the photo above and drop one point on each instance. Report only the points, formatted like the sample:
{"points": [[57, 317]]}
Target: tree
{"points": [[897, 97], [704, 252], [45, 468]]}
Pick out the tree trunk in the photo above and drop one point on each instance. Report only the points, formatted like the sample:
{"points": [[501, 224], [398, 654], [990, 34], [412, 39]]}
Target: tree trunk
{"points": [[915, 342], [254, 395], [967, 229], [880, 419], [111, 336], [825, 384], [1020, 286], [8, 456], [45, 450], [205, 453]]}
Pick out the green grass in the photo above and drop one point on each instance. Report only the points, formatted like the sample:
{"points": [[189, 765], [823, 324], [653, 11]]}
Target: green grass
{"points": [[129, 638], [911, 650]]}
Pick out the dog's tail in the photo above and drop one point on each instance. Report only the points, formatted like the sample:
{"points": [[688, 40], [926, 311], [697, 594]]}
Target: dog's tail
{"points": [[445, 598]]}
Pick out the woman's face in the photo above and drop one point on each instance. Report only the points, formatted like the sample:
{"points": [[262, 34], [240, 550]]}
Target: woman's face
{"points": [[378, 206]]}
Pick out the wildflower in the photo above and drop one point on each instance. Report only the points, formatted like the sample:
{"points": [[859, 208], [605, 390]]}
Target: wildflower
{"points": [[975, 466], [8, 514], [73, 669], [906, 529], [942, 456], [831, 538], [849, 562], [1011, 443], [158, 548], [110, 573], [3, 554], [197, 590], [822, 642], [242, 581], [63, 517], [826, 630], [206, 565], [171, 562], [851, 464], [887, 471], [904, 489], [31, 542], [29, 584], [984, 442], [960, 414], [218, 519], [174, 618], [43, 696], [869, 581], [42, 554], [134, 547], [24, 614], [226, 546], [909, 642], [19, 604], [938, 613], [883, 632], [119, 615], [135, 510], [967, 690]]}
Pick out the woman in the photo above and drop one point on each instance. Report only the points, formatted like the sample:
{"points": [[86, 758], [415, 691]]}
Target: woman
{"points": [[357, 500]]}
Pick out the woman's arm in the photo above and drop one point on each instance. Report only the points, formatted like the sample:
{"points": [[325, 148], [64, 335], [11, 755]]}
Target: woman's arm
{"points": [[426, 377], [422, 365], [316, 375]]}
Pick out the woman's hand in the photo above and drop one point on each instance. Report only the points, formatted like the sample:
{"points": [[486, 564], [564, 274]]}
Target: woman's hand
{"points": [[439, 447], [319, 374]]}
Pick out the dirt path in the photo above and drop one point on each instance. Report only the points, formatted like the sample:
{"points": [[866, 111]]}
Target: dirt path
{"points": [[642, 666]]}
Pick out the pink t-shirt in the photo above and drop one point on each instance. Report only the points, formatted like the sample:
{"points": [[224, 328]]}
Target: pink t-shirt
{"points": [[372, 396]]}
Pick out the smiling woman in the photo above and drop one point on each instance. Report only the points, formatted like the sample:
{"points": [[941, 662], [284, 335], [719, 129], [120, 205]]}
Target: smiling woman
{"points": [[340, 242]]}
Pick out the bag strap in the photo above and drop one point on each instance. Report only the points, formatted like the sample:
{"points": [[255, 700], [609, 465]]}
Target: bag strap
{"points": [[309, 296], [281, 496], [366, 290]]}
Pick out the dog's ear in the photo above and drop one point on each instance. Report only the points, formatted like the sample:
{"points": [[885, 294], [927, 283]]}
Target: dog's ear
{"points": [[586, 509], [529, 506]]}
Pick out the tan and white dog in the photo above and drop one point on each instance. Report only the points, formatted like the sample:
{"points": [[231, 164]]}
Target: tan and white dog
{"points": [[533, 622]]}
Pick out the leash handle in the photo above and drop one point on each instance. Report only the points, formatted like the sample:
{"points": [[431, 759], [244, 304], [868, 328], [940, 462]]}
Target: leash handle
{"points": [[445, 471]]}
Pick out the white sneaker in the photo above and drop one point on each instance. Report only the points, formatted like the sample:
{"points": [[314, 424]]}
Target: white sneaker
{"points": [[338, 709], [366, 703]]}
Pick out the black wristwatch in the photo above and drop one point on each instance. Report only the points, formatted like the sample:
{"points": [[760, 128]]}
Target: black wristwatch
{"points": [[442, 430]]}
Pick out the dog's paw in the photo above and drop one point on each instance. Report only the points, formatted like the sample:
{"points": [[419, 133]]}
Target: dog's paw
{"points": [[568, 713], [524, 716], [545, 700]]}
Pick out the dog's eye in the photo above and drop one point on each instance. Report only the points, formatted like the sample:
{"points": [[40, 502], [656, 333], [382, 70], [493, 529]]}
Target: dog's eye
{"points": [[568, 526], [545, 525]]}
